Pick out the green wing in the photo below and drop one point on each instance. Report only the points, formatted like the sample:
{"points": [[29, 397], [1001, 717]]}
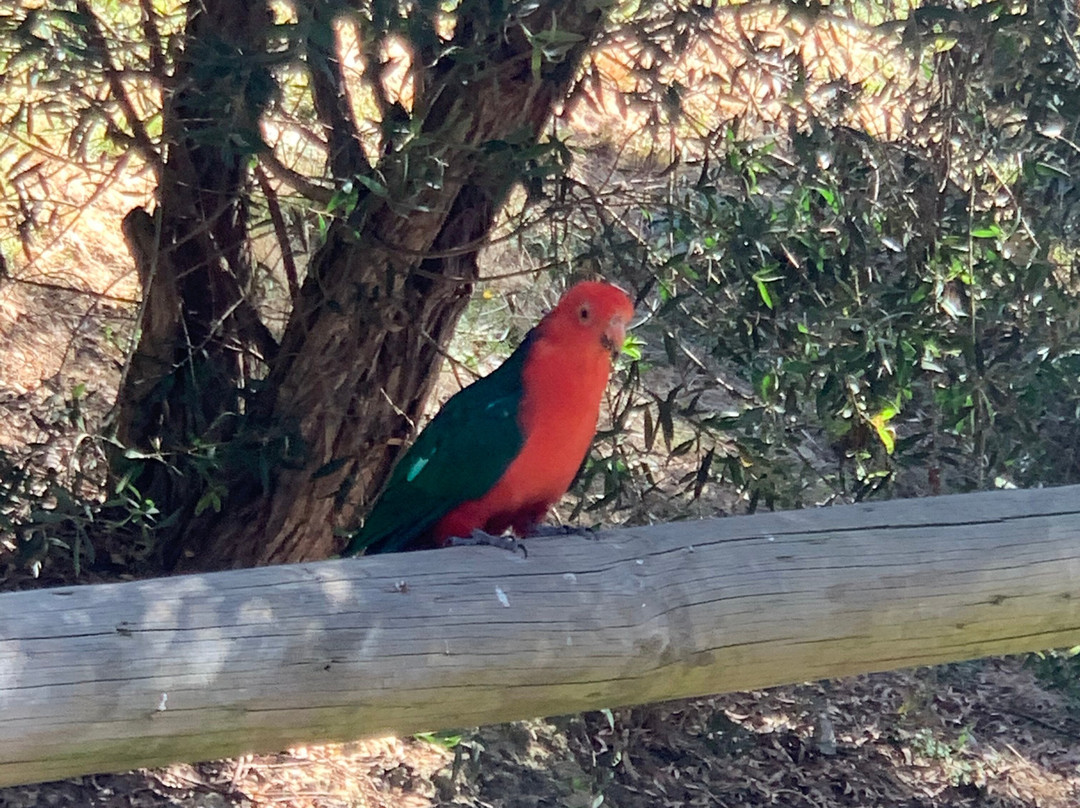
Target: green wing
{"points": [[459, 456]]}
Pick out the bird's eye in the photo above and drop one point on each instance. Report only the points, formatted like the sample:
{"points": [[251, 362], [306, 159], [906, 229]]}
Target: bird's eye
{"points": [[583, 313]]}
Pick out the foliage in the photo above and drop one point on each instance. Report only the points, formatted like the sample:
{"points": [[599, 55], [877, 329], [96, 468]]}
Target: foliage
{"points": [[959, 769], [335, 119], [54, 498], [874, 314], [1059, 670]]}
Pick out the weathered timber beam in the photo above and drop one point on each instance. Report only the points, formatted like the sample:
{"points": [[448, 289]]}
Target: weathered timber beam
{"points": [[112, 677]]}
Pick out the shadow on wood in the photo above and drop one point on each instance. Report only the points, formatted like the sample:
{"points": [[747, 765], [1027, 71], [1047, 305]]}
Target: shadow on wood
{"points": [[113, 677]]}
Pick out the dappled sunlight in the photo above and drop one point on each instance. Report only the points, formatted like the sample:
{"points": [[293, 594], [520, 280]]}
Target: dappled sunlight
{"points": [[384, 772], [72, 282], [760, 64]]}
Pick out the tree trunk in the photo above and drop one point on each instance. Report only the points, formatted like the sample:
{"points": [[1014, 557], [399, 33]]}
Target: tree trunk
{"points": [[199, 336], [383, 295]]}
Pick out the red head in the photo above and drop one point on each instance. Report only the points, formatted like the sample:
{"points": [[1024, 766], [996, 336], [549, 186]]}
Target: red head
{"points": [[592, 313]]}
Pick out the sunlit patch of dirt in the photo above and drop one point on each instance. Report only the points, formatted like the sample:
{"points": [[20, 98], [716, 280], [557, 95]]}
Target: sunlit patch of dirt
{"points": [[80, 244], [378, 773], [68, 301], [67, 304]]}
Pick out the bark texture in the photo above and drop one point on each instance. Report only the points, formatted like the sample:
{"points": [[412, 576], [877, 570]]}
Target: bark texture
{"points": [[199, 336]]}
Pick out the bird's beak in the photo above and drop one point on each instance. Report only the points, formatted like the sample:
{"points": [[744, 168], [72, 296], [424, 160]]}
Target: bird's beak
{"points": [[615, 336]]}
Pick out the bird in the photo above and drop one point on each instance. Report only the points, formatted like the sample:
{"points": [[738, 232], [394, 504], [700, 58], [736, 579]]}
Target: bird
{"points": [[504, 449]]}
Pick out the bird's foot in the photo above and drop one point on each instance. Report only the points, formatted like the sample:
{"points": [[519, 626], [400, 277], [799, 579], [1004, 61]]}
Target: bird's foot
{"points": [[540, 531], [481, 537]]}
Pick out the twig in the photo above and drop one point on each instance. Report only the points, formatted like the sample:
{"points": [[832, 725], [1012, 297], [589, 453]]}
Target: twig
{"points": [[1045, 724], [98, 42], [294, 179], [153, 39], [59, 287], [288, 260]]}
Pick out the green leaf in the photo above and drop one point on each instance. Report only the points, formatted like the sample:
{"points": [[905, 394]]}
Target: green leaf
{"points": [[210, 499], [447, 739], [885, 433], [763, 291], [632, 347], [373, 185], [766, 385]]}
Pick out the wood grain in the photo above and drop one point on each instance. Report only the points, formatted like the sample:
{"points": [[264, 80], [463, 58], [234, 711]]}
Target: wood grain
{"points": [[112, 677]]}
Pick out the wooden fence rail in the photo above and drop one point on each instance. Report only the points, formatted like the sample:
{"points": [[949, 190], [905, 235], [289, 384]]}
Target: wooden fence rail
{"points": [[112, 677]]}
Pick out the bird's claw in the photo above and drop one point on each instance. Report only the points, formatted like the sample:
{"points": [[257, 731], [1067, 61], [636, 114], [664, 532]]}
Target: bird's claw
{"points": [[481, 537]]}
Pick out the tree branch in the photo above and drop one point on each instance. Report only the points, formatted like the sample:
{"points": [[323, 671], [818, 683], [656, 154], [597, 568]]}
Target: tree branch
{"points": [[330, 97], [287, 258], [152, 35], [294, 179], [98, 42]]}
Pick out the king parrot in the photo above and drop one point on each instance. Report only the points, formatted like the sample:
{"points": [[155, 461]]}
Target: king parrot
{"points": [[504, 449]]}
